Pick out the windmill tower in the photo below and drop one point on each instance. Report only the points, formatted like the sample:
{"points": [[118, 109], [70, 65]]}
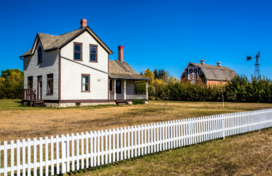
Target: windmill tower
{"points": [[257, 69]]}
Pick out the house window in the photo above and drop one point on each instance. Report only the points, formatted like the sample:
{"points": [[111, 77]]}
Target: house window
{"points": [[78, 51], [85, 84], [93, 53], [118, 86], [40, 55], [30, 82], [110, 85], [50, 81]]}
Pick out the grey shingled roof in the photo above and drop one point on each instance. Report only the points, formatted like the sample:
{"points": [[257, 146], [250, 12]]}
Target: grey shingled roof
{"points": [[123, 70], [213, 72], [50, 42]]}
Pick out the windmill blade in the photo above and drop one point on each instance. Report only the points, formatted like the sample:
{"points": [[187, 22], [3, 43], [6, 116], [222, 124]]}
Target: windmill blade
{"points": [[259, 53], [248, 58]]}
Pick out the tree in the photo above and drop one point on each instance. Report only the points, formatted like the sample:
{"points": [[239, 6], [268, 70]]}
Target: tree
{"points": [[156, 74], [11, 83], [149, 74]]}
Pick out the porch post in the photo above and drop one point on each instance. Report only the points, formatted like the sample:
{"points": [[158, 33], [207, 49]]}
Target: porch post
{"points": [[125, 89], [146, 93], [109, 89], [114, 89]]}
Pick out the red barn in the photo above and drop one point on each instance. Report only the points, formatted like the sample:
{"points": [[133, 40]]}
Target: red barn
{"points": [[203, 74]]}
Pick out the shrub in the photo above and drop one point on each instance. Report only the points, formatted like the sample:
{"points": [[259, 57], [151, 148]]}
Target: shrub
{"points": [[135, 101]]}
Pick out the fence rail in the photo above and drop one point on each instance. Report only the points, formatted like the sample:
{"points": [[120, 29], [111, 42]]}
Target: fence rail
{"points": [[63, 154]]}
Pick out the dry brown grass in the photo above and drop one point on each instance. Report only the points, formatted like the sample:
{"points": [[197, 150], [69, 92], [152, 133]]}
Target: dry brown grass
{"points": [[248, 154], [18, 122]]}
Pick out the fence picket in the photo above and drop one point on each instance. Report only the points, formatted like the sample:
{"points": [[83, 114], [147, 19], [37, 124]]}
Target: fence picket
{"points": [[18, 157], [52, 155], [35, 156], [28, 157]]}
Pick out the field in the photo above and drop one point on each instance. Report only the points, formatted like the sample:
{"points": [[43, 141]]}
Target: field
{"points": [[247, 154], [20, 122]]}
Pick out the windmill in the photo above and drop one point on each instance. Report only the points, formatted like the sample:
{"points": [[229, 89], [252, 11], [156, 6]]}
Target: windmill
{"points": [[257, 69]]}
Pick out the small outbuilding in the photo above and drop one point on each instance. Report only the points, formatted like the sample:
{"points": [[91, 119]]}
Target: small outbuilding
{"points": [[207, 75]]}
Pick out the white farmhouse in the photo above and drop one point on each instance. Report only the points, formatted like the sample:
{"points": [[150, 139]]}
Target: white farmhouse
{"points": [[74, 69]]}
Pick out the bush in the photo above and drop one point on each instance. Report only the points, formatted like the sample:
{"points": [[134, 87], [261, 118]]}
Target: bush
{"points": [[135, 101]]}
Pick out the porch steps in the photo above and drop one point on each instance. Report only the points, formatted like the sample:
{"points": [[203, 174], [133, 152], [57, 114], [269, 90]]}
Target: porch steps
{"points": [[39, 103], [121, 101]]}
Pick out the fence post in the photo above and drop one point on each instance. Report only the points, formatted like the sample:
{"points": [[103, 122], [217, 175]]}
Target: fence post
{"points": [[223, 126], [64, 154]]}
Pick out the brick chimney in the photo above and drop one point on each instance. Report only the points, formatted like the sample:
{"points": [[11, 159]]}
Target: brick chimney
{"points": [[219, 64], [83, 23], [202, 61], [121, 53]]}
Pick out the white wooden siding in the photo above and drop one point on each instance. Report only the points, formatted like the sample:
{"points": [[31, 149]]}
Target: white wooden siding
{"points": [[86, 39], [71, 82], [49, 65], [71, 71]]}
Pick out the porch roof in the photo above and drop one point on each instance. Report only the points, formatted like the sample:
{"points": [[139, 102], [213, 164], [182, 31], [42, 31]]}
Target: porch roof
{"points": [[122, 70]]}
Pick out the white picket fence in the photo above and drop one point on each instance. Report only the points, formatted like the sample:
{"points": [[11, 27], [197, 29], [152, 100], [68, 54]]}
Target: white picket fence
{"points": [[63, 154]]}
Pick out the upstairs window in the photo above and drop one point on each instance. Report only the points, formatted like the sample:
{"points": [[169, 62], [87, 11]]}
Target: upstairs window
{"points": [[40, 55], [78, 51], [85, 83], [93, 53], [50, 81]]}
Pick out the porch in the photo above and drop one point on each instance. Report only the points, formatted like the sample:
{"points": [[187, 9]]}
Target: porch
{"points": [[30, 97], [123, 89]]}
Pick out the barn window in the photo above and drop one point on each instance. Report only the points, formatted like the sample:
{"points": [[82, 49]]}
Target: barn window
{"points": [[200, 72], [185, 72]]}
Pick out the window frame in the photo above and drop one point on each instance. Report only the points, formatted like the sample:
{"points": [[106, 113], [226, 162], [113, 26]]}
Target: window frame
{"points": [[91, 53], [120, 86], [77, 43], [40, 48], [89, 80], [47, 86]]}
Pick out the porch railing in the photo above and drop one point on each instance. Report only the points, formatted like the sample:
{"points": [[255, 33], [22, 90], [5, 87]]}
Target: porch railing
{"points": [[119, 96], [29, 95], [128, 96], [111, 96], [136, 96]]}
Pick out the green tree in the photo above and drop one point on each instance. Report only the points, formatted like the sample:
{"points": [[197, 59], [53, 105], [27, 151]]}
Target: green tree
{"points": [[11, 83]]}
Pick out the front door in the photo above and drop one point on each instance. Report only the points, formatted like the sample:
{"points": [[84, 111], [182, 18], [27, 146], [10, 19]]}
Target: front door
{"points": [[40, 88]]}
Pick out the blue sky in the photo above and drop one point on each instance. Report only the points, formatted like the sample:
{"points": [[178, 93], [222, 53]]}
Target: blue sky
{"points": [[155, 34]]}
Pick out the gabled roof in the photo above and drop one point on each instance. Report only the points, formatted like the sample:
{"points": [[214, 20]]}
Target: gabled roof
{"points": [[213, 72], [122, 70], [51, 42]]}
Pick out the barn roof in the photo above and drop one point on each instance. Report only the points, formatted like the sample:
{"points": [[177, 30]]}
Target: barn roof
{"points": [[122, 70], [213, 72]]}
